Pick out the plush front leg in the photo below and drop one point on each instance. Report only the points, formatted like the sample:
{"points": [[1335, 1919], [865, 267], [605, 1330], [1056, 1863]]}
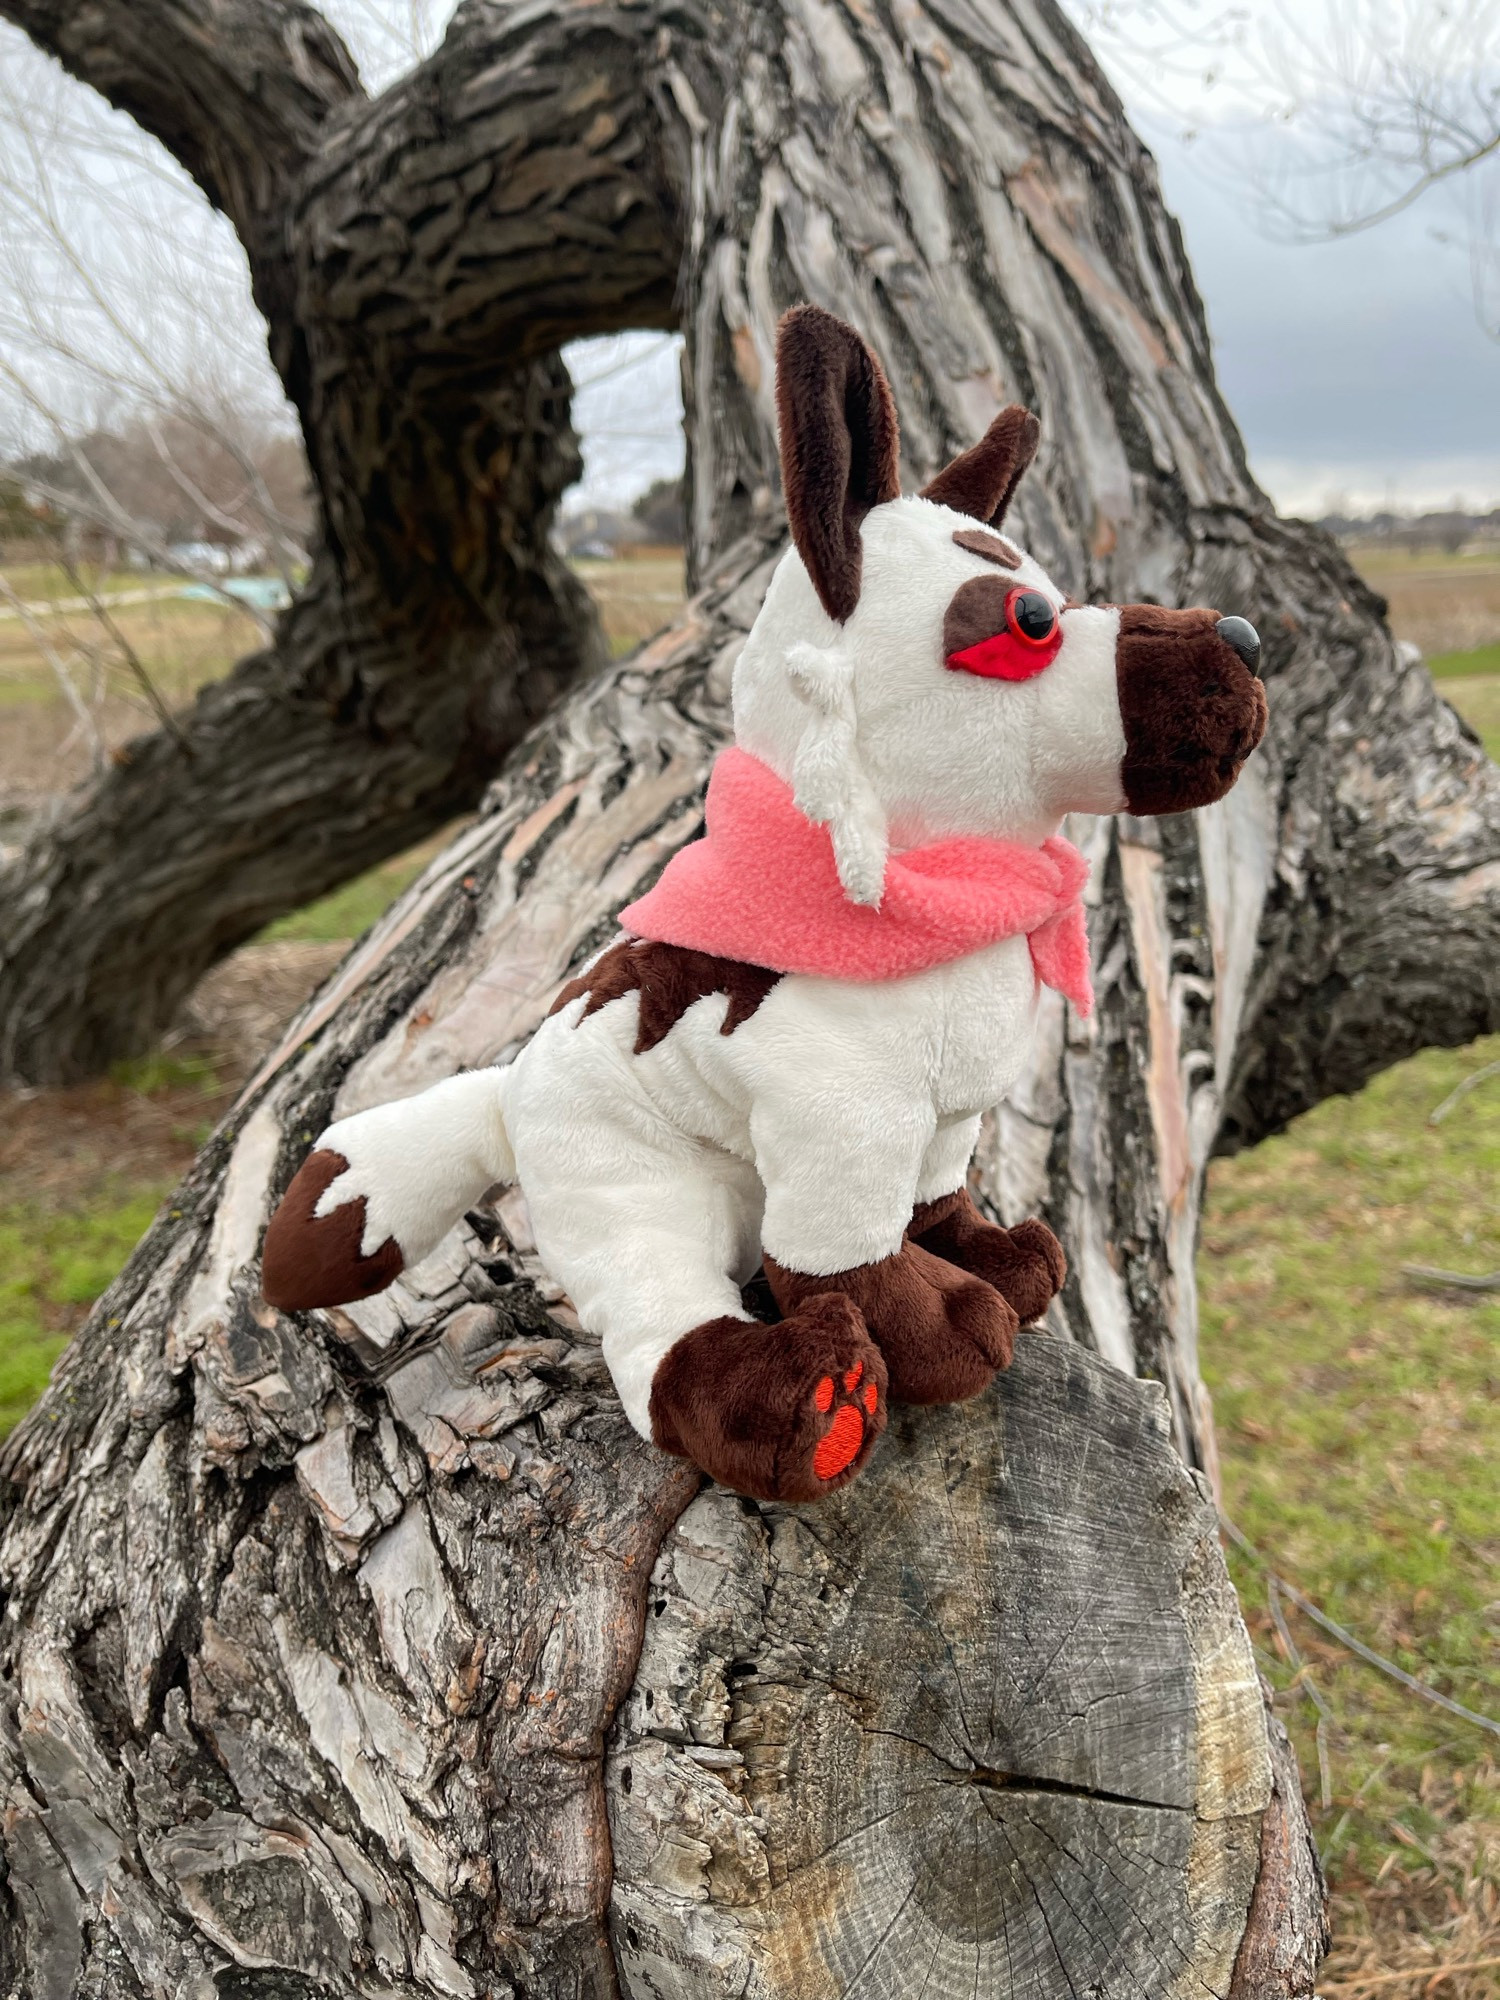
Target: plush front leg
{"points": [[943, 1334], [1025, 1265], [787, 1412]]}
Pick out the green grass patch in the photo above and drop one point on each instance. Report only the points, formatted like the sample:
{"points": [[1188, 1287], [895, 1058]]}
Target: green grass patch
{"points": [[151, 1075], [1359, 1427], [40, 583], [28, 690], [52, 1268], [1478, 702], [1463, 666], [1373, 559]]}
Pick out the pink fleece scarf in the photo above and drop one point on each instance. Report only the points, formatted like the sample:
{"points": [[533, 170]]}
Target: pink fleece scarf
{"points": [[762, 886]]}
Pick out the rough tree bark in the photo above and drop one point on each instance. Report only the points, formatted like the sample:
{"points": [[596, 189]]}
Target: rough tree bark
{"points": [[372, 1653]]}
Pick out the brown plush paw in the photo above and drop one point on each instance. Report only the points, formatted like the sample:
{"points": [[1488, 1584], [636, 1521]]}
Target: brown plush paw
{"points": [[942, 1332], [786, 1412], [310, 1260], [1025, 1265]]}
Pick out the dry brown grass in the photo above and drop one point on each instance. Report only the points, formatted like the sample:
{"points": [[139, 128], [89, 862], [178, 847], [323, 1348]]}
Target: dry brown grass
{"points": [[181, 644], [1444, 604], [1430, 1925], [636, 596], [1416, 1906]]}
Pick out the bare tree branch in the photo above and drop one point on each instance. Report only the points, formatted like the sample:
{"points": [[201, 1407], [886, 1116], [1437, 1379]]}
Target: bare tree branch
{"points": [[237, 92]]}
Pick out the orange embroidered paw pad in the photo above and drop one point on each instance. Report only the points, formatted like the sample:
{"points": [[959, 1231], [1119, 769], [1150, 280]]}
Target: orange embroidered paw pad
{"points": [[841, 1445]]}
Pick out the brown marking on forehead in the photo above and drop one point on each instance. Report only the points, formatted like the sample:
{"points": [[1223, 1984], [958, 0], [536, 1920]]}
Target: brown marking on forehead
{"points": [[976, 611], [669, 979], [978, 543]]}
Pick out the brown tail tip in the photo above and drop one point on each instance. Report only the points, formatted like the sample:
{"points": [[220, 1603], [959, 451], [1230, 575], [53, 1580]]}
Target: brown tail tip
{"points": [[310, 1260]]}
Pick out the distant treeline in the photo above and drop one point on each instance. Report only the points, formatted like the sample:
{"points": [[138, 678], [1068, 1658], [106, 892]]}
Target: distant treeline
{"points": [[1449, 529]]}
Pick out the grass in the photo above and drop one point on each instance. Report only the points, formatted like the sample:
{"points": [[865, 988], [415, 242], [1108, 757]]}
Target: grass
{"points": [[1359, 1422], [54, 1266], [1464, 666], [1359, 1433], [1378, 559], [636, 597], [82, 1173], [1449, 605], [351, 910], [1478, 702]]}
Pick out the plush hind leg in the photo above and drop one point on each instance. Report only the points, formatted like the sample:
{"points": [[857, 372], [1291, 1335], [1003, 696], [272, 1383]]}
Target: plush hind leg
{"points": [[1025, 1265], [382, 1189], [652, 1255]]}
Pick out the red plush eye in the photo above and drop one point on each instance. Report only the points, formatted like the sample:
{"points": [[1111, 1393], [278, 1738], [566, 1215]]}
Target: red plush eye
{"points": [[1032, 617], [1003, 637]]}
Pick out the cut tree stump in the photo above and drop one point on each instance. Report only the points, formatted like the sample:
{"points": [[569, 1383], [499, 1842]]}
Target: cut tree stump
{"points": [[987, 1723]]}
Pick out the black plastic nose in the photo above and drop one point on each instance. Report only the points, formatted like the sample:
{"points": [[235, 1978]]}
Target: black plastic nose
{"points": [[1242, 635]]}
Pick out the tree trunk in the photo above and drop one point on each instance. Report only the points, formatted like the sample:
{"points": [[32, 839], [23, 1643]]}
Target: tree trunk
{"points": [[372, 1652]]}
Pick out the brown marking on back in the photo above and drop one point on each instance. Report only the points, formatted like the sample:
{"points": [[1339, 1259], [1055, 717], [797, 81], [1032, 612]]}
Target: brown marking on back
{"points": [[982, 480], [669, 979], [975, 611], [980, 543], [312, 1260]]}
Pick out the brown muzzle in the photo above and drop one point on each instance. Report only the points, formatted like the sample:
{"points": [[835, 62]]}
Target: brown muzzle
{"points": [[1190, 702]]}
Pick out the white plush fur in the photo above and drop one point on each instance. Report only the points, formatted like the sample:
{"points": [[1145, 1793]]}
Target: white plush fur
{"points": [[421, 1162], [654, 1181], [916, 751]]}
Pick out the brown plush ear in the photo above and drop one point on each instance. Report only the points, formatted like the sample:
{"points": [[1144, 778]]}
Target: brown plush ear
{"points": [[982, 480], [840, 446]]}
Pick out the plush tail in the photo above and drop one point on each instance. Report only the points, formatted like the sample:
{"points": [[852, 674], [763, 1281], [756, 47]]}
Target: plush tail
{"points": [[382, 1189]]}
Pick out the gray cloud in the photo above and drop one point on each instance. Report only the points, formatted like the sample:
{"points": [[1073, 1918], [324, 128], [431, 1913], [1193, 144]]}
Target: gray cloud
{"points": [[1354, 368]]}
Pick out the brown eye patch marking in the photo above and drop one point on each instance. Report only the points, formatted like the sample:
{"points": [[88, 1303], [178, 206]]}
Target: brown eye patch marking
{"points": [[978, 543], [976, 611], [669, 979]]}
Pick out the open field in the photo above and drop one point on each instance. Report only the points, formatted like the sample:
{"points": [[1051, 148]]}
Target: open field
{"points": [[1444, 604], [44, 747], [1359, 1423], [636, 596]]}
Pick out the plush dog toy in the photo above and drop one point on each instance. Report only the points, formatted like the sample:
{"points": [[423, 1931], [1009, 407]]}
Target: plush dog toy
{"points": [[785, 1057]]}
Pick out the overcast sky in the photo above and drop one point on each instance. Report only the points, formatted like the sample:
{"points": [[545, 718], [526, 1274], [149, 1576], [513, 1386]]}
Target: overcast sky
{"points": [[1357, 369]]}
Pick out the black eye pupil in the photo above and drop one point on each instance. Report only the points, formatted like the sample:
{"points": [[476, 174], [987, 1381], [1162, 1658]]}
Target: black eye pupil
{"points": [[1033, 615]]}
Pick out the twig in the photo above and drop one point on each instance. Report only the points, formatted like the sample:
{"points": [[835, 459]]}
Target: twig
{"points": [[1345, 1638], [1305, 1680], [164, 715], [1428, 1278], [1432, 1972], [1461, 1091]]}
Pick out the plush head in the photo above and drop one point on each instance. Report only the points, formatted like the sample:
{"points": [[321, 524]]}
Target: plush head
{"points": [[914, 675]]}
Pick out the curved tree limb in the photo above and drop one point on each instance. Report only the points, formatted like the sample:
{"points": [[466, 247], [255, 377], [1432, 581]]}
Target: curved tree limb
{"points": [[238, 93], [418, 262]]}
